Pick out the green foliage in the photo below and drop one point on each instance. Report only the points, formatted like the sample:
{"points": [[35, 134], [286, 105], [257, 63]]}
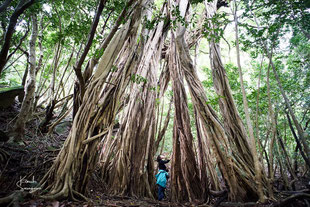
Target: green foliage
{"points": [[196, 1], [214, 26], [136, 78], [114, 68], [177, 18]]}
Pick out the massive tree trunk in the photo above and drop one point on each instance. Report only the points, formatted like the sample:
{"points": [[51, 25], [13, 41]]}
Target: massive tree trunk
{"points": [[83, 78], [132, 170], [237, 175], [28, 101], [68, 176]]}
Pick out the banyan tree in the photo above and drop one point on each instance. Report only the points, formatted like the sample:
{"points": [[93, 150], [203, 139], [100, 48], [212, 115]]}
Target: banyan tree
{"points": [[144, 67], [124, 87]]}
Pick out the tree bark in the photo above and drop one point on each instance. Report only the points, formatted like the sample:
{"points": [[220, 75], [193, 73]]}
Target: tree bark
{"points": [[68, 176], [257, 164], [132, 171], [298, 144], [272, 124], [78, 66], [231, 118], [202, 162], [26, 108], [237, 176], [184, 165]]}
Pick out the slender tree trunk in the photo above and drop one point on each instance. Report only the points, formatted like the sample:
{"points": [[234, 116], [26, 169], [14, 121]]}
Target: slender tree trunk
{"points": [[21, 97], [49, 110], [257, 111], [287, 159], [232, 121], [298, 144], [26, 108], [283, 173], [257, 164], [301, 133], [295, 161], [272, 124]]}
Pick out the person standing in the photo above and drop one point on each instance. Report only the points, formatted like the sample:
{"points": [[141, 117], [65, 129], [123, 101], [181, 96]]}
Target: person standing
{"points": [[161, 181]]}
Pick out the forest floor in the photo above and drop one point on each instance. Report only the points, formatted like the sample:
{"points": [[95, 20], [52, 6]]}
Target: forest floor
{"points": [[31, 160]]}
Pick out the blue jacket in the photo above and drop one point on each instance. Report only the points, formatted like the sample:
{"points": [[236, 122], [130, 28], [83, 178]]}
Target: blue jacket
{"points": [[161, 178]]}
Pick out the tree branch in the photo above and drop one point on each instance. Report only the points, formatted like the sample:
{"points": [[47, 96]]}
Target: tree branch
{"points": [[91, 35], [19, 44], [21, 7]]}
